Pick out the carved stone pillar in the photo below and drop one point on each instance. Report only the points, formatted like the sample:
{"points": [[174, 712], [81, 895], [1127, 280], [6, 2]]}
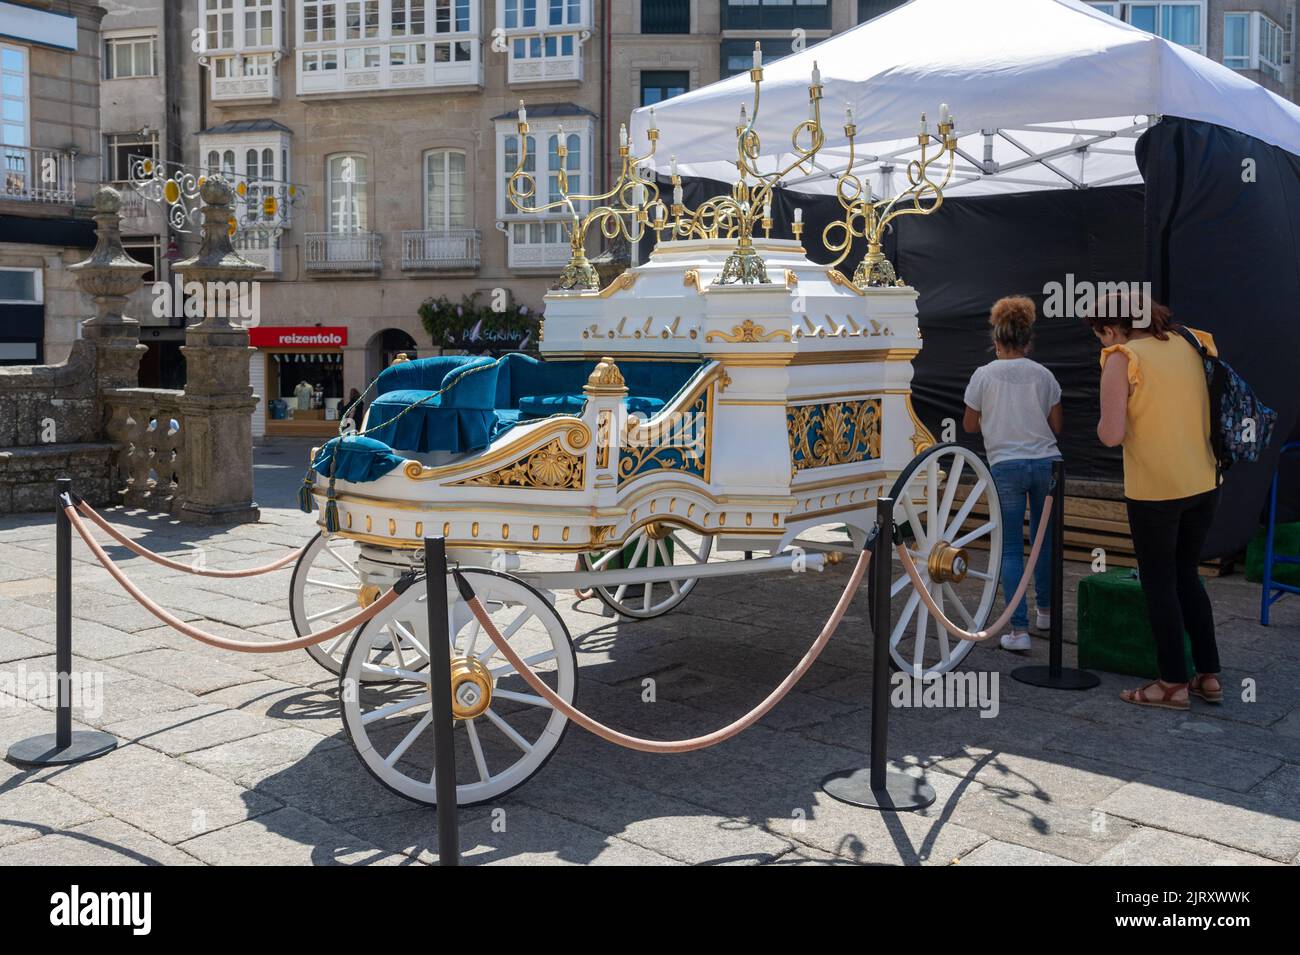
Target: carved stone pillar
{"points": [[218, 402], [109, 276]]}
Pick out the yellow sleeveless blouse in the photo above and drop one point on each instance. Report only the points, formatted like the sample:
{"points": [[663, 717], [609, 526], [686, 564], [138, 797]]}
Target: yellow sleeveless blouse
{"points": [[1167, 453]]}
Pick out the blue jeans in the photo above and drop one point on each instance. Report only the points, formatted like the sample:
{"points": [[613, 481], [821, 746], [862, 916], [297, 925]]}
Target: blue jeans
{"points": [[1017, 481]]}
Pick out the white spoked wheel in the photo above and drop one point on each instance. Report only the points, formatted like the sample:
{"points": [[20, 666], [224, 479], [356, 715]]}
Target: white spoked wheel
{"points": [[504, 732], [657, 544], [326, 588], [946, 508]]}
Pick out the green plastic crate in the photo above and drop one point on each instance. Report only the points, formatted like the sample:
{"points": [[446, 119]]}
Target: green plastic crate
{"points": [[1114, 634], [1286, 542]]}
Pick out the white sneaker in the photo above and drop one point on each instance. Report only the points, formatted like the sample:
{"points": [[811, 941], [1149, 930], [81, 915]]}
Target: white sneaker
{"points": [[1044, 621], [1015, 641]]}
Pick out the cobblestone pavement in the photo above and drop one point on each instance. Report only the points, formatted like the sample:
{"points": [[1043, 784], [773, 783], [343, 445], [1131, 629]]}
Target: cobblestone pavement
{"points": [[232, 759]]}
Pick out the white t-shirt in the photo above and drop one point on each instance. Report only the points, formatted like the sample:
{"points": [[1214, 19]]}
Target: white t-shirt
{"points": [[1013, 397]]}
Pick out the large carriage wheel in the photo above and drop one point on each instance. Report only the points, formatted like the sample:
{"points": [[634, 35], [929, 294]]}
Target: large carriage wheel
{"points": [[946, 508], [657, 544], [326, 588], [504, 732]]}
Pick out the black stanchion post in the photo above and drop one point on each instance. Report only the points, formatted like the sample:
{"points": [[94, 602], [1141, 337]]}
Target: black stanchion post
{"points": [[878, 786], [1055, 675], [63, 745], [435, 581]]}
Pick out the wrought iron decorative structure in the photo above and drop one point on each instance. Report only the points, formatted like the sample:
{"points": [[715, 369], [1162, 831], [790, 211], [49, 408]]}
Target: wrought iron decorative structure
{"points": [[262, 206]]}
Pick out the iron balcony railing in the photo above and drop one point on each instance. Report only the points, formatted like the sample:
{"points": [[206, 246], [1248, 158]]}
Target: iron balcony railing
{"points": [[38, 175], [342, 251], [441, 249]]}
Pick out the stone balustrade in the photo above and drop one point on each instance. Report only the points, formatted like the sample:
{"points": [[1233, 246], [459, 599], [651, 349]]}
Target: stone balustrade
{"points": [[147, 425]]}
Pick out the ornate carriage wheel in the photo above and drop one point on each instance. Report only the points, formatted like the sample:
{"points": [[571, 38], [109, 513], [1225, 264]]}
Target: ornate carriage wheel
{"points": [[652, 545], [326, 587], [504, 733], [946, 506]]}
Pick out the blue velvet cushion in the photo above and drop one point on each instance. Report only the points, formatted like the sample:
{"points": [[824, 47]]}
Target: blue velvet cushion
{"points": [[411, 415], [360, 459]]}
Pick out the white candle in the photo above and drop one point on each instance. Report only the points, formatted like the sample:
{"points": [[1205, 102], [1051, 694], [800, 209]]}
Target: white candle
{"points": [[622, 134], [559, 132], [652, 119], [744, 120], [817, 75], [848, 114], [677, 195], [767, 210], [944, 116], [798, 213], [758, 55], [672, 165], [523, 113], [638, 194], [925, 128], [661, 214]]}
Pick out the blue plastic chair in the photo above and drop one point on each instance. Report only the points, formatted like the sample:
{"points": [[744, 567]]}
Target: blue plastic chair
{"points": [[1273, 591]]}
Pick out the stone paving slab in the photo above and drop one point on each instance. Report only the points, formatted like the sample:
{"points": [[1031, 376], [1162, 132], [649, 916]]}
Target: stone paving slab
{"points": [[106, 841], [179, 802], [238, 759]]}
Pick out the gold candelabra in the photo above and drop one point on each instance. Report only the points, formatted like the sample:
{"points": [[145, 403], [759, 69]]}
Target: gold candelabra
{"points": [[624, 210], [750, 201], [867, 217]]}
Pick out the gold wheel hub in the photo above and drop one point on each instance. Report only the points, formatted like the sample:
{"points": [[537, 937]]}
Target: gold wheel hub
{"points": [[368, 594], [948, 563], [471, 688], [658, 530]]}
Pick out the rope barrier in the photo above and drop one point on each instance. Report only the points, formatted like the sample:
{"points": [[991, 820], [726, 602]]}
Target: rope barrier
{"points": [[910, 568], [667, 746], [242, 646], [143, 551]]}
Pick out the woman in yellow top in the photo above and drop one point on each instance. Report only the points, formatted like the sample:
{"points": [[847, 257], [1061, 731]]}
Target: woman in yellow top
{"points": [[1154, 402]]}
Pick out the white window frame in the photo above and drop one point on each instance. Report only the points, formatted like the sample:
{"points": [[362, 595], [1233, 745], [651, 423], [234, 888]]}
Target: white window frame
{"points": [[440, 221], [111, 145], [1123, 10], [541, 131], [26, 75], [112, 40], [38, 287], [239, 11], [385, 58], [232, 160], [351, 191], [1256, 57]]}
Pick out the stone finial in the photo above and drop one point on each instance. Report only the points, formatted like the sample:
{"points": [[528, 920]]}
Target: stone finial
{"points": [[605, 379], [217, 260], [109, 275]]}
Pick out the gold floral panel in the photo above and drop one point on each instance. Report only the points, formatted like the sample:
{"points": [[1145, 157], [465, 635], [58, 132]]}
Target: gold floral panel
{"points": [[837, 432], [549, 468]]}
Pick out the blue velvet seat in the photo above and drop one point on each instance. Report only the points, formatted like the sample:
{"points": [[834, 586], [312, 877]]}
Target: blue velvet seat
{"points": [[460, 404]]}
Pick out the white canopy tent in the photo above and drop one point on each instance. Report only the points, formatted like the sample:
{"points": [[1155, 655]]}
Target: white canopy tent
{"points": [[1047, 94]]}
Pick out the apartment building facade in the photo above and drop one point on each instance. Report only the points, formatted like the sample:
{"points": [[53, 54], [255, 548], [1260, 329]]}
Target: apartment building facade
{"points": [[373, 140], [50, 148]]}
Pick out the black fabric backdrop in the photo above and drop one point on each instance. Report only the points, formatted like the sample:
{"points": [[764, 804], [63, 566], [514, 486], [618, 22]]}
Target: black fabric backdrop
{"points": [[1223, 253]]}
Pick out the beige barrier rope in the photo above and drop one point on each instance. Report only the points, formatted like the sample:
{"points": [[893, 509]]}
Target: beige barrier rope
{"points": [[243, 646], [906, 559], [667, 746], [143, 551]]}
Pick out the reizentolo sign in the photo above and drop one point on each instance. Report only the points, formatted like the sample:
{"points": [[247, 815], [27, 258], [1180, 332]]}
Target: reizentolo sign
{"points": [[314, 336]]}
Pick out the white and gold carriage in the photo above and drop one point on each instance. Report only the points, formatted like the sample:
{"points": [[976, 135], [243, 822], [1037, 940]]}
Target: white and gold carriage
{"points": [[728, 407]]}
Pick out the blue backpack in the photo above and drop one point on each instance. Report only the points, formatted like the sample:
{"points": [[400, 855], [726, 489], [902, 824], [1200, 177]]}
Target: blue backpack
{"points": [[1233, 405]]}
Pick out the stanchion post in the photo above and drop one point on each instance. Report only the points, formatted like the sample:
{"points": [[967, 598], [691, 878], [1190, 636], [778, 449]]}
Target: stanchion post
{"points": [[63, 746], [878, 786], [1056, 675], [435, 582]]}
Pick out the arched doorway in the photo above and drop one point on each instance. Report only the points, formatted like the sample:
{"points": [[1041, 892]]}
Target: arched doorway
{"points": [[386, 346]]}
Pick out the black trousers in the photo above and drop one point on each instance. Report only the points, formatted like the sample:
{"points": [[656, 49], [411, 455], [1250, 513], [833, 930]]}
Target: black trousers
{"points": [[1168, 537]]}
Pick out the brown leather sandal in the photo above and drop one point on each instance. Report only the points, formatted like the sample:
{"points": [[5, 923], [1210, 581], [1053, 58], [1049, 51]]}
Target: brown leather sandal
{"points": [[1207, 686], [1166, 699]]}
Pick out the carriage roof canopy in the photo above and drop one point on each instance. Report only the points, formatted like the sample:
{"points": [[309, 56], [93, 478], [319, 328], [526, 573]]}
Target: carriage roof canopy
{"points": [[1058, 90]]}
